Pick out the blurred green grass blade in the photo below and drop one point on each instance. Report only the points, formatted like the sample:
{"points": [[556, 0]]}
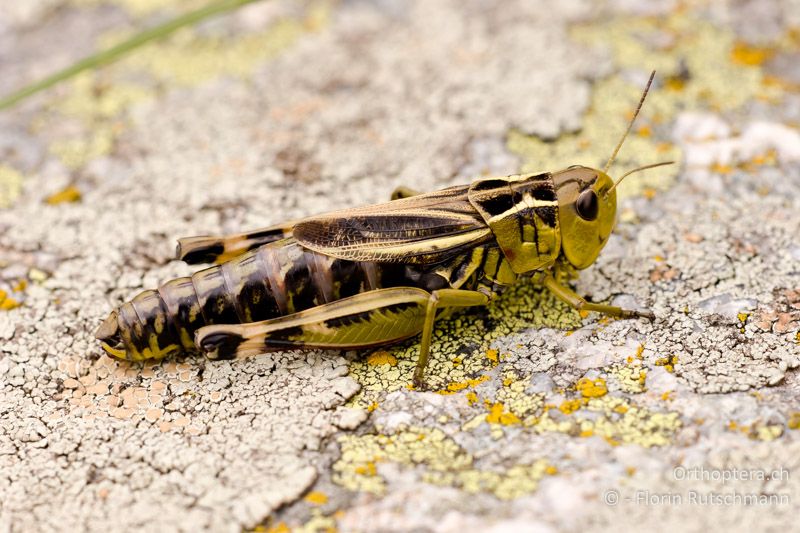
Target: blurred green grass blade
{"points": [[116, 52]]}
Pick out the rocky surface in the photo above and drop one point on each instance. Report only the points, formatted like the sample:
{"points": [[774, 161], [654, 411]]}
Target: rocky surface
{"points": [[538, 418]]}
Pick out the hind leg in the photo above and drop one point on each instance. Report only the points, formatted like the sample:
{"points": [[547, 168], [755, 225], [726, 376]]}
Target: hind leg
{"points": [[404, 192], [365, 320], [218, 249]]}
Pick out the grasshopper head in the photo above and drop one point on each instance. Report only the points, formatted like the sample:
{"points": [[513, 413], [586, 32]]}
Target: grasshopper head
{"points": [[587, 209], [587, 202]]}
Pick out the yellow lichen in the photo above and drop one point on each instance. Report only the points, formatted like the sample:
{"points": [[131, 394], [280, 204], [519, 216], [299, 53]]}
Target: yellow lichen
{"points": [[749, 55], [569, 406], [280, 527], [498, 415], [7, 302], [743, 317], [591, 388], [367, 469], [356, 468], [68, 194], [461, 385], [720, 168], [794, 420], [317, 498], [668, 362], [381, 358]]}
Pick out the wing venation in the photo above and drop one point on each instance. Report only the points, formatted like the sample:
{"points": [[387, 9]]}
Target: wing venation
{"points": [[425, 228]]}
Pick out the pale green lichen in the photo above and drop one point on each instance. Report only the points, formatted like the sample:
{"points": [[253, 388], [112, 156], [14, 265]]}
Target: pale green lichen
{"points": [[517, 481], [616, 419], [141, 8], [758, 430], [716, 79], [98, 101], [612, 102], [77, 151], [516, 400], [10, 185], [92, 98], [592, 411], [443, 462], [702, 48], [318, 523], [631, 378], [189, 58]]}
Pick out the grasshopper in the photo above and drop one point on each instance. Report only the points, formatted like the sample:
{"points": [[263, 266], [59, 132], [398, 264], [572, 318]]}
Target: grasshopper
{"points": [[375, 275]]}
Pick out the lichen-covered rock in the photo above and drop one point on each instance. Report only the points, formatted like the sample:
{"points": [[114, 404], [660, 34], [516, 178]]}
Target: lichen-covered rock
{"points": [[537, 417]]}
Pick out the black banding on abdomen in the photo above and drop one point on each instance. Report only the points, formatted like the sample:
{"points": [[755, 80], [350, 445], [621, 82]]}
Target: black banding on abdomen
{"points": [[184, 309], [154, 316], [347, 278], [254, 297], [131, 328], [216, 303], [301, 291]]}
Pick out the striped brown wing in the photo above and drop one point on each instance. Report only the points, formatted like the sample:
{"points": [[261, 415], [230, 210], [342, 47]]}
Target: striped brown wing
{"points": [[422, 229]]}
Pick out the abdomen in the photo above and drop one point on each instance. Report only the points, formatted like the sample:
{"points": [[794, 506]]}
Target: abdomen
{"points": [[274, 280]]}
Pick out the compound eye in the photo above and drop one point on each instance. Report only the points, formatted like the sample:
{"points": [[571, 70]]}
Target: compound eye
{"points": [[587, 205]]}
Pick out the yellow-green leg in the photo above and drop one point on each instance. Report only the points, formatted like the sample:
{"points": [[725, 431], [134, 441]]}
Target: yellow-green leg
{"points": [[441, 298], [568, 296], [369, 319], [404, 192]]}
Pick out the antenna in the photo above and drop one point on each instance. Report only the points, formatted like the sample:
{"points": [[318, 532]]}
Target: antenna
{"points": [[652, 165], [630, 125]]}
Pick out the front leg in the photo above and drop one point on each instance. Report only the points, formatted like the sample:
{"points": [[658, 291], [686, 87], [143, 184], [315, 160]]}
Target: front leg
{"points": [[568, 296]]}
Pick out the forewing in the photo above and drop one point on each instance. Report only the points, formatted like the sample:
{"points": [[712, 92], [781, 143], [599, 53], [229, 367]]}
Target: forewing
{"points": [[421, 229]]}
